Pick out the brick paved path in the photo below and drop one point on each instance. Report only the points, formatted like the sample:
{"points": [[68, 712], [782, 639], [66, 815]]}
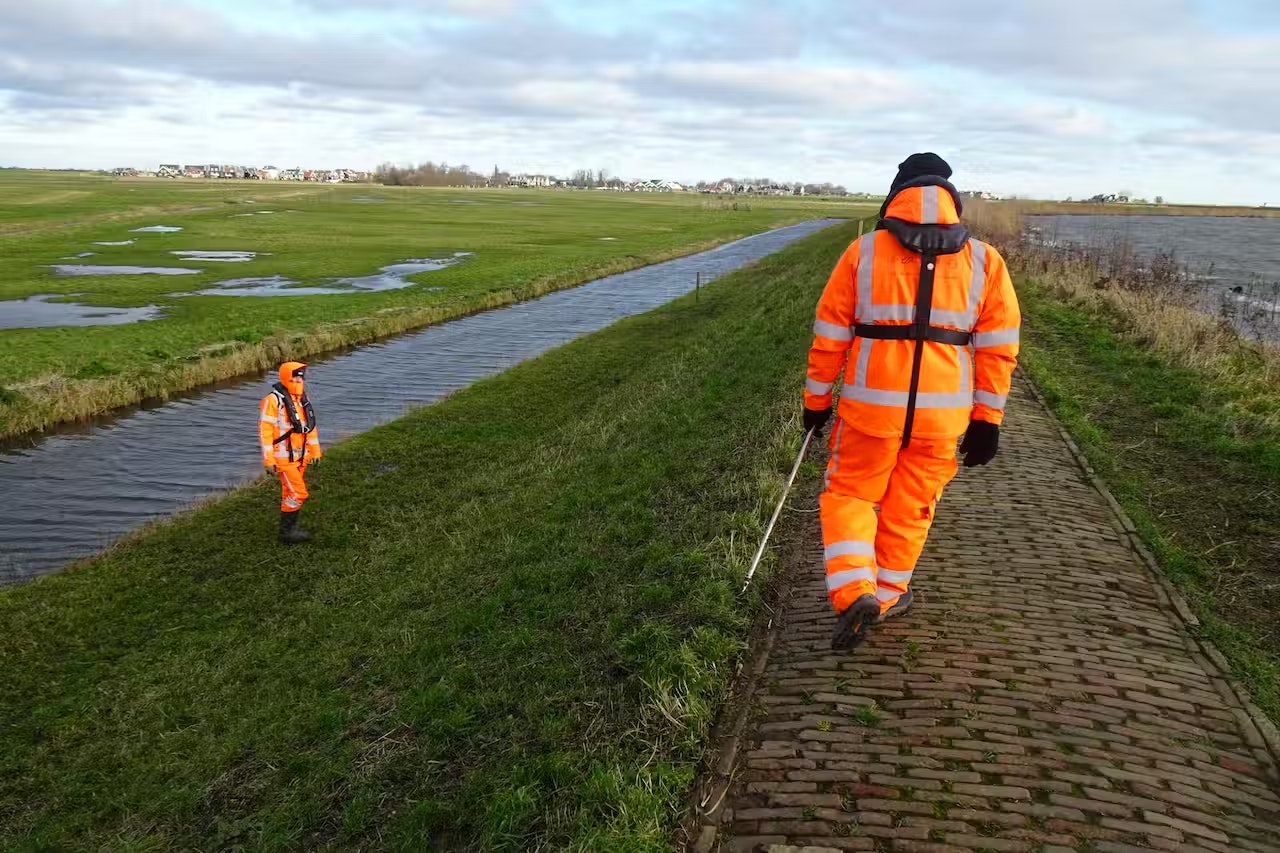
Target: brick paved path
{"points": [[1043, 695]]}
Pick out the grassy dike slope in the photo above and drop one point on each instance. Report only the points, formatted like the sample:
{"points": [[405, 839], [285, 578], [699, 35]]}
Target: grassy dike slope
{"points": [[513, 631]]}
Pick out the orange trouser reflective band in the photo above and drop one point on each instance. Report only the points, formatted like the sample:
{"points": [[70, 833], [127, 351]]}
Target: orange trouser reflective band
{"points": [[869, 552], [293, 488]]}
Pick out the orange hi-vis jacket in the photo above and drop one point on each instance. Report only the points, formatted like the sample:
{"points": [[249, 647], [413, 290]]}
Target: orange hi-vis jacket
{"points": [[922, 319], [287, 429]]}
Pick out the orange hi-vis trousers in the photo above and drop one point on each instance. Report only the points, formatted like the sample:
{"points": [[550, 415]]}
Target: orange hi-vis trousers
{"points": [[877, 509], [293, 487]]}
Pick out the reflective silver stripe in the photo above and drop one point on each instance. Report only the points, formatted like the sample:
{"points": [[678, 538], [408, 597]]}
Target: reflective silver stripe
{"points": [[268, 419], [966, 368], [813, 386], [835, 580], [924, 399], [929, 215], [894, 576], [884, 594], [997, 338], [943, 317], [864, 360], [849, 548], [901, 313], [977, 281], [267, 450], [866, 264], [831, 330], [835, 455], [994, 401]]}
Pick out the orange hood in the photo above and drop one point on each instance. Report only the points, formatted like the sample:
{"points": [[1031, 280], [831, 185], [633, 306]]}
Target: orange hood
{"points": [[289, 380], [932, 204]]}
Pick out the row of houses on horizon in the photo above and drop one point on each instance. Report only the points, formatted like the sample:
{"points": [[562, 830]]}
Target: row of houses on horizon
{"points": [[531, 181], [249, 173]]}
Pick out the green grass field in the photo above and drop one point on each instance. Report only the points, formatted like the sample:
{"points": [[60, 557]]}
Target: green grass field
{"points": [[513, 631], [524, 244]]}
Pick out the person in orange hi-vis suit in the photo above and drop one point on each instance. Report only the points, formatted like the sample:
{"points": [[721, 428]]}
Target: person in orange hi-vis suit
{"points": [[924, 323], [289, 443]]}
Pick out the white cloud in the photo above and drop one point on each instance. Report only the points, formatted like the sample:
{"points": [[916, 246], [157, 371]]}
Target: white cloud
{"points": [[1047, 96]]}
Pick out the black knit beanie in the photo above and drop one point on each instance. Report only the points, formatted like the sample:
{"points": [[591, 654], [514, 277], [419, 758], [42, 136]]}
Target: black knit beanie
{"points": [[919, 166]]}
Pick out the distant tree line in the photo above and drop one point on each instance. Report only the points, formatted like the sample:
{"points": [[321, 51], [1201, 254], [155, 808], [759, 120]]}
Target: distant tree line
{"points": [[431, 174]]}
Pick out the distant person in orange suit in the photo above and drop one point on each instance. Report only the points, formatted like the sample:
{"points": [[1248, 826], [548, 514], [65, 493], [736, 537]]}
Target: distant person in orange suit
{"points": [[289, 443], [924, 323]]}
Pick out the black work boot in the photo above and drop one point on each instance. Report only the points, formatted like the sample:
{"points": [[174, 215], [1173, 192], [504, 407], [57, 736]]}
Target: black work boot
{"points": [[851, 625], [289, 532], [902, 605]]}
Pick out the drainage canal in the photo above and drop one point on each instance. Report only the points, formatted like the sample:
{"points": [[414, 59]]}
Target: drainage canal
{"points": [[71, 492]]}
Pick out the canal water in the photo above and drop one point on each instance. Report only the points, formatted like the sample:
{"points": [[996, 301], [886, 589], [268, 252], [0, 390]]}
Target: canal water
{"points": [[71, 493]]}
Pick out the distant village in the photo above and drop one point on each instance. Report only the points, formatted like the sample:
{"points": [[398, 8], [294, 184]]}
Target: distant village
{"points": [[467, 179], [249, 173], [429, 174]]}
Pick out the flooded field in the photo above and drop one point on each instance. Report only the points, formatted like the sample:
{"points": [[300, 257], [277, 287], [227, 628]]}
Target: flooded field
{"points": [[69, 494], [72, 270], [219, 257], [316, 237], [390, 277], [37, 312]]}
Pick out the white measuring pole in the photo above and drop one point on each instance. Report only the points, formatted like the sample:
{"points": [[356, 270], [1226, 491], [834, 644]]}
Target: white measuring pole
{"points": [[804, 448]]}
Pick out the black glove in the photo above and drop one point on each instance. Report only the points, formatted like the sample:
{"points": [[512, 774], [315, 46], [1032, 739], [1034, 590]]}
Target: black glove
{"points": [[816, 420], [981, 440]]}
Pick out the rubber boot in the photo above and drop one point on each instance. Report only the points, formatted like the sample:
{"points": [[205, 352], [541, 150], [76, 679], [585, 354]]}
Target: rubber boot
{"points": [[851, 625], [289, 532], [902, 605]]}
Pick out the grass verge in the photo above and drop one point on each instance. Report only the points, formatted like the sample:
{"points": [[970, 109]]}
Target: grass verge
{"points": [[512, 632], [1180, 416]]}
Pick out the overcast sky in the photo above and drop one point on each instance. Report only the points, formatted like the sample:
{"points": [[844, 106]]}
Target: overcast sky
{"points": [[1179, 98]]}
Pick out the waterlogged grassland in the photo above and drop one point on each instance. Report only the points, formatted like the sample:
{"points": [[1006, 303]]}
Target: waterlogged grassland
{"points": [[524, 244], [512, 632]]}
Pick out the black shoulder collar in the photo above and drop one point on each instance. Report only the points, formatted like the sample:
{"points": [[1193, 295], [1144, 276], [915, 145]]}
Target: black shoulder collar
{"points": [[927, 239]]}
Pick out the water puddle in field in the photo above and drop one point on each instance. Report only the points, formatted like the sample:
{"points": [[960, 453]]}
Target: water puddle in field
{"points": [[608, 239], [156, 229], [70, 492], [221, 257], [390, 277], [115, 243], [529, 204], [103, 269], [37, 312], [79, 256]]}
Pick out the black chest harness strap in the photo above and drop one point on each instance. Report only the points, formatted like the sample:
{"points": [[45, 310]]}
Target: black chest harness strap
{"points": [[920, 331], [300, 423]]}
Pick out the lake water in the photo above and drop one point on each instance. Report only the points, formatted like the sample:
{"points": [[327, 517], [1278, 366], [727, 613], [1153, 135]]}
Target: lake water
{"points": [[1236, 259]]}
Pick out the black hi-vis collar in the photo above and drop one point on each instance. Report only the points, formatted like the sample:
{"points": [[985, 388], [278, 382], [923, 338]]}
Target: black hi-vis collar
{"points": [[925, 239]]}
